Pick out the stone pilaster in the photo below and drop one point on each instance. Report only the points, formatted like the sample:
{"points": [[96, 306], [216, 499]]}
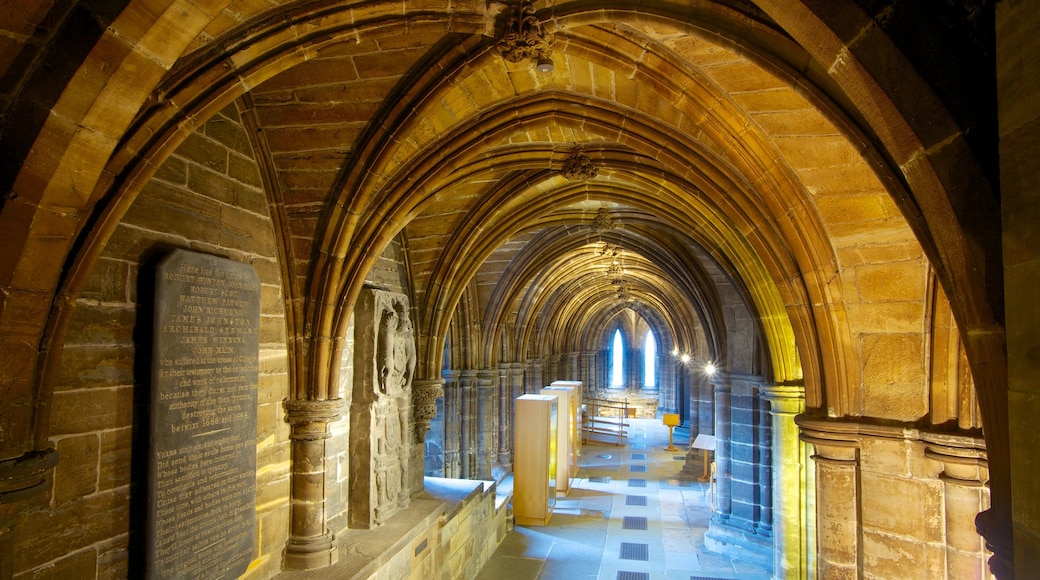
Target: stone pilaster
{"points": [[452, 425], [486, 425], [536, 377], [788, 481], [311, 545], [552, 372], [964, 474], [468, 419], [839, 530], [764, 449], [588, 370], [505, 416], [723, 472]]}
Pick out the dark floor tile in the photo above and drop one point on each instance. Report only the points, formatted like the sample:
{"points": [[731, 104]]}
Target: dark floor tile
{"points": [[633, 551], [634, 523]]}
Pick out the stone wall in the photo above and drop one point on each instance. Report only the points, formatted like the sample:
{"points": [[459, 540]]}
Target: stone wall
{"points": [[897, 502], [206, 197], [1019, 108]]}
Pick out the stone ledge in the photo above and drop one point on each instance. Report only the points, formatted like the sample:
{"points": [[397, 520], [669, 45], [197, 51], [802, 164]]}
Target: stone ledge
{"points": [[381, 552]]}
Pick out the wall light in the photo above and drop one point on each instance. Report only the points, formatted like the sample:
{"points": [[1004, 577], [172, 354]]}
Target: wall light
{"points": [[710, 369]]}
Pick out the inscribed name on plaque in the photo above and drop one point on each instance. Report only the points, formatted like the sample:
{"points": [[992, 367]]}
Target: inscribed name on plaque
{"points": [[202, 471]]}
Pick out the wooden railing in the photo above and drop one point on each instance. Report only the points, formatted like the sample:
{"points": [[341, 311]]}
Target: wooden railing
{"points": [[605, 418]]}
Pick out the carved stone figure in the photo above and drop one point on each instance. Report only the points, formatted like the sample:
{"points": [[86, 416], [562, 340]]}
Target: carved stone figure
{"points": [[381, 427]]}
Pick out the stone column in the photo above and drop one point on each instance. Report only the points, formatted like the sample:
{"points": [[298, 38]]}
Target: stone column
{"points": [[534, 376], [588, 370], [788, 477], [551, 372], [964, 474], [505, 416], [486, 428], [311, 544], [452, 425], [516, 378], [425, 393], [722, 457], [632, 368], [21, 478], [468, 419], [764, 449], [667, 384], [839, 542]]}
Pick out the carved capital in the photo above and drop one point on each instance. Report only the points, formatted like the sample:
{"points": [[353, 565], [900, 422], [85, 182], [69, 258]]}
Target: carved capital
{"points": [[309, 419], [784, 399], [425, 393], [524, 38], [25, 476], [579, 166], [963, 457], [836, 442]]}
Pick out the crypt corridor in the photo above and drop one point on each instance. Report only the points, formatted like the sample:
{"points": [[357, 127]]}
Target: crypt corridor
{"points": [[833, 203]]}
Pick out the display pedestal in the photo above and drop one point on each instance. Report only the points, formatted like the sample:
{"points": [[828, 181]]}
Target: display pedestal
{"points": [[577, 406], [671, 420], [566, 463], [534, 459], [706, 443]]}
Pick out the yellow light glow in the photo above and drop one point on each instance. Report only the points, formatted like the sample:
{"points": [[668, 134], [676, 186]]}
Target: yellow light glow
{"points": [[710, 370], [685, 358]]}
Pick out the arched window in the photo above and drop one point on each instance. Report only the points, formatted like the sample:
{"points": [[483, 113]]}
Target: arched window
{"points": [[649, 360], [617, 351]]}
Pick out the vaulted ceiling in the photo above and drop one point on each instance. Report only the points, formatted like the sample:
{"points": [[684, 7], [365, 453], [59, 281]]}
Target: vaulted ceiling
{"points": [[747, 163]]}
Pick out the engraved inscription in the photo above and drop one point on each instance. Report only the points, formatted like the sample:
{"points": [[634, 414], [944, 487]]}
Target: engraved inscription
{"points": [[201, 516]]}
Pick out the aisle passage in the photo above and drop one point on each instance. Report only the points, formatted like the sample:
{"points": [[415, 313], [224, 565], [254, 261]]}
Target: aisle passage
{"points": [[631, 514]]}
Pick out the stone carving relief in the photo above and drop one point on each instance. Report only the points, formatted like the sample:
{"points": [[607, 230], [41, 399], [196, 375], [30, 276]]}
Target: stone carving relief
{"points": [[579, 166], [524, 38], [424, 405], [395, 352], [381, 426]]}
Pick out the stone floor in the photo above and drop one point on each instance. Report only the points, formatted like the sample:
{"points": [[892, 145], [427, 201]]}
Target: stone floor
{"points": [[630, 515]]}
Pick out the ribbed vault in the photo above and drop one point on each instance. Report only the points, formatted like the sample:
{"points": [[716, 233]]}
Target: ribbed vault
{"points": [[779, 174]]}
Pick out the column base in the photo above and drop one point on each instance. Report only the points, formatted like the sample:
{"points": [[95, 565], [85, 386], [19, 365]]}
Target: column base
{"points": [[744, 545], [311, 553]]}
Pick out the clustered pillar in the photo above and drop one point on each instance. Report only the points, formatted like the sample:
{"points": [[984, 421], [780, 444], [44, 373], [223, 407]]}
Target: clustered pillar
{"points": [[486, 422], [743, 517], [469, 434], [452, 426]]}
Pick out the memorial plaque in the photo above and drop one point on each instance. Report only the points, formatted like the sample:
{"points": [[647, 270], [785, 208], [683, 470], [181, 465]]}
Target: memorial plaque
{"points": [[202, 472]]}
